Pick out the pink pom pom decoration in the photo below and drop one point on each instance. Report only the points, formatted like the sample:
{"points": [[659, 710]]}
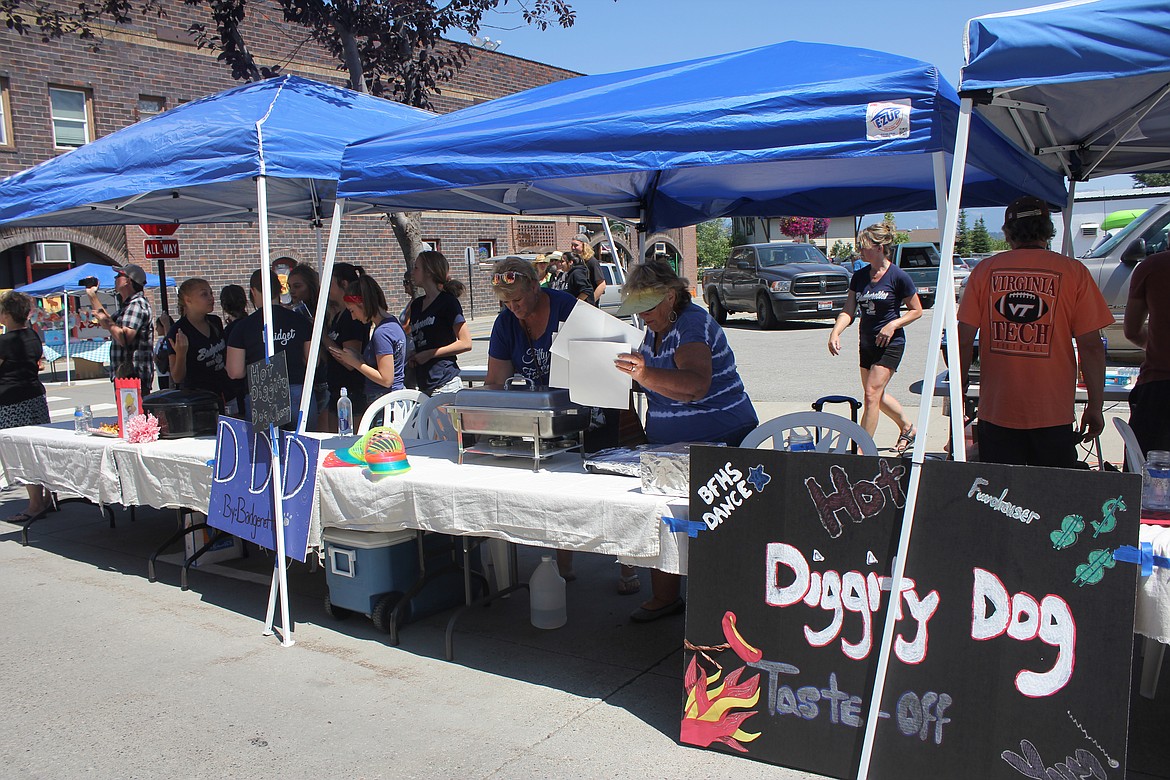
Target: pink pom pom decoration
{"points": [[141, 428]]}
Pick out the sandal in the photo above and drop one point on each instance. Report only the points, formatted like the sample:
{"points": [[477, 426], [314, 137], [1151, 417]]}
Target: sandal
{"points": [[628, 586], [25, 517], [905, 440]]}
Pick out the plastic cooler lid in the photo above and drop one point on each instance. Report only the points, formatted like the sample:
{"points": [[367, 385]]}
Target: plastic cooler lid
{"points": [[365, 540]]}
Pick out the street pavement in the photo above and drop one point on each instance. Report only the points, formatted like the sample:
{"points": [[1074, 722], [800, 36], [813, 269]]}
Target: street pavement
{"points": [[113, 676]]}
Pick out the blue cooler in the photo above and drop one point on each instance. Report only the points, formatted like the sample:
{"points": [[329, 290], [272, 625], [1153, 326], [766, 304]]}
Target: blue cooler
{"points": [[370, 572]]}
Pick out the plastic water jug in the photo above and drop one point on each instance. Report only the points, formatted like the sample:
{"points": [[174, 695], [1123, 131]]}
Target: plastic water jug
{"points": [[1156, 481], [546, 591], [800, 440], [344, 414]]}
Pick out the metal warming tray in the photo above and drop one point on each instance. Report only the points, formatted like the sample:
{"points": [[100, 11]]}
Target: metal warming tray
{"points": [[535, 422]]}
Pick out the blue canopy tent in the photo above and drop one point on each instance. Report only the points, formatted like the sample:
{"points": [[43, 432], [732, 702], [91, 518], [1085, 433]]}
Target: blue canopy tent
{"points": [[268, 148], [68, 283], [791, 128], [1085, 86]]}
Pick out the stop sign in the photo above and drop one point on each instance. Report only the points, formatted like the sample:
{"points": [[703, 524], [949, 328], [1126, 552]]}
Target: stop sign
{"points": [[159, 230]]}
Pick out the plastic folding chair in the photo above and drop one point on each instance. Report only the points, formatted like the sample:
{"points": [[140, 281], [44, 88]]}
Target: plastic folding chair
{"points": [[831, 432]]}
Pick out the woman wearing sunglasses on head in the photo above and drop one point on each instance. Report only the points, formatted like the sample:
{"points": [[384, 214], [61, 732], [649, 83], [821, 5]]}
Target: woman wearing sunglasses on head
{"points": [[523, 332]]}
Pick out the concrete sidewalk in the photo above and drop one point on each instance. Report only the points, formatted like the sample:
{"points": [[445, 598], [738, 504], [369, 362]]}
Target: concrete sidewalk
{"points": [[113, 676]]}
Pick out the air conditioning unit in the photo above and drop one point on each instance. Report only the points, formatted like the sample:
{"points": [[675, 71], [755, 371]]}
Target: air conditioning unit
{"points": [[1089, 229], [660, 248], [56, 252]]}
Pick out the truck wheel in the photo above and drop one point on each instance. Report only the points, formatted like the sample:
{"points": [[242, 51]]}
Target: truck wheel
{"points": [[718, 313], [928, 302], [765, 315]]}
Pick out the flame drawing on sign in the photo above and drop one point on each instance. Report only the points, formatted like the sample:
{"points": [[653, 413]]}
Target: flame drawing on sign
{"points": [[709, 715]]}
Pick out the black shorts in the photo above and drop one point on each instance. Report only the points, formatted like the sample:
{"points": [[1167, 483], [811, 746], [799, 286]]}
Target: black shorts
{"points": [[1148, 403], [1055, 446], [890, 356]]}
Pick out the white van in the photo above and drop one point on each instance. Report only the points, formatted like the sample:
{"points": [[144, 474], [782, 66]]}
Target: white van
{"points": [[611, 297], [1111, 264]]}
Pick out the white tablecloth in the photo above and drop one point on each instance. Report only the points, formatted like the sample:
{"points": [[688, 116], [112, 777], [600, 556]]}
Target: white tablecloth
{"points": [[561, 506], [54, 456], [1153, 599]]}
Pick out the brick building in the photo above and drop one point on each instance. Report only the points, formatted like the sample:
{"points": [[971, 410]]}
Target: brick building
{"points": [[58, 95]]}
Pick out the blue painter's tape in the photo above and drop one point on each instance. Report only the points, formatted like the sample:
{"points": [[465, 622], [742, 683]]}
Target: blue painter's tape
{"points": [[1144, 557], [689, 527]]}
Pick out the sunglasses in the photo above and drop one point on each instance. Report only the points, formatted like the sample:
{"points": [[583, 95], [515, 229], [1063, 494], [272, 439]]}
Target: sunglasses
{"points": [[508, 277]]}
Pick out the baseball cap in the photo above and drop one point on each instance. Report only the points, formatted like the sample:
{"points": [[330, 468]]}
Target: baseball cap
{"points": [[584, 239], [133, 272], [638, 301], [1025, 208]]}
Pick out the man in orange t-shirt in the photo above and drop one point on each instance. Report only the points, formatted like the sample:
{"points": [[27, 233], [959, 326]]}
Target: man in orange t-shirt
{"points": [[1028, 305]]}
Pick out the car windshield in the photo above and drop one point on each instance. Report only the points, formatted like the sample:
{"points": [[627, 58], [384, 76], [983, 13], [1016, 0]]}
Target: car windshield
{"points": [[1124, 235], [918, 257], [770, 257]]}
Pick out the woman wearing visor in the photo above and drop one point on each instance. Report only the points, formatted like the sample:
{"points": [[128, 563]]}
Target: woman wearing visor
{"points": [[693, 389]]}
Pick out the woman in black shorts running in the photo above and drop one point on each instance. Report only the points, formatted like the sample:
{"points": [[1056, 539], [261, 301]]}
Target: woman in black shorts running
{"points": [[879, 289]]}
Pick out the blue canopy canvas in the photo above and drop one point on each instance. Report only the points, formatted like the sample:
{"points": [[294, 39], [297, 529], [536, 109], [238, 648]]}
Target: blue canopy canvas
{"points": [[1084, 85], [68, 281], [791, 128], [196, 162]]}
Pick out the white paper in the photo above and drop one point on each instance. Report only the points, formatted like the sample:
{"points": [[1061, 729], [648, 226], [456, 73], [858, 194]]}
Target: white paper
{"points": [[594, 380], [558, 372], [589, 323]]}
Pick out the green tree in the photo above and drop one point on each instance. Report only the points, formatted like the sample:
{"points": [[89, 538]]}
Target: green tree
{"points": [[1151, 179], [714, 241], [963, 236], [841, 251], [900, 236], [980, 238]]}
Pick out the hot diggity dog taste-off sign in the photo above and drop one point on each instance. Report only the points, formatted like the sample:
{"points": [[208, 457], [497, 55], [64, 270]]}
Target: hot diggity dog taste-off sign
{"points": [[241, 488], [1012, 647]]}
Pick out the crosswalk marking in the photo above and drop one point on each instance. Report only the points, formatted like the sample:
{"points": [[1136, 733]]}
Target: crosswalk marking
{"points": [[67, 413]]}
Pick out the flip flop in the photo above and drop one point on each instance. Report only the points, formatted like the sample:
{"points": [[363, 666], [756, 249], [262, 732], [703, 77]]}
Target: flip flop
{"points": [[905, 440], [628, 586], [24, 517]]}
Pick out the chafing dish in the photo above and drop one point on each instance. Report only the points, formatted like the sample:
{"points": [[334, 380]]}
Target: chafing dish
{"points": [[521, 420]]}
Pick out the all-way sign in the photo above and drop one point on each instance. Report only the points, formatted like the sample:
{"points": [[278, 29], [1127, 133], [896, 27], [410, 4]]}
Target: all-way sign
{"points": [[160, 248]]}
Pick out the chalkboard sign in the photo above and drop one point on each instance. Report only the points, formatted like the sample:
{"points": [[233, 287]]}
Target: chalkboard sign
{"points": [[241, 486], [268, 389], [789, 583], [1031, 646]]}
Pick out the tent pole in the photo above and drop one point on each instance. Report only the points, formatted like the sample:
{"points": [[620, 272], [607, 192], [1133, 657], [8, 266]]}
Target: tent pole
{"points": [[68, 357], [279, 579], [162, 286], [896, 576], [617, 256], [322, 306], [1066, 248]]}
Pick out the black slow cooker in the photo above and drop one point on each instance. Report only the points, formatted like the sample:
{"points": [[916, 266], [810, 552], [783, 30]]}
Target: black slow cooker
{"points": [[184, 413]]}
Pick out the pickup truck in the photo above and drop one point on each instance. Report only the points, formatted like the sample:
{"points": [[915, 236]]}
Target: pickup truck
{"points": [[921, 262], [778, 281]]}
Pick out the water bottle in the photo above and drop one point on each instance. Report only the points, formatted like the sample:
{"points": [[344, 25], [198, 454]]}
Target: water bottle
{"points": [[1156, 481], [344, 414], [546, 591], [79, 422], [800, 440], [88, 418]]}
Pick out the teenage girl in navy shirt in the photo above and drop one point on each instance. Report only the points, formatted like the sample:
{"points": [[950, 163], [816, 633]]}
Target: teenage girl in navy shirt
{"points": [[879, 289]]}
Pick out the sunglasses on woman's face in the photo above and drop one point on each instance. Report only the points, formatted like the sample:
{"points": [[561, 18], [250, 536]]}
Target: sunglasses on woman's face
{"points": [[507, 277]]}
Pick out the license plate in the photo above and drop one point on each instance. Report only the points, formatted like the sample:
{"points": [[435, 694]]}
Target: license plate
{"points": [[824, 305]]}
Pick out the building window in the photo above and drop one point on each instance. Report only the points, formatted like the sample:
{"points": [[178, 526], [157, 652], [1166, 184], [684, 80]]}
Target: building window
{"points": [[71, 116], [536, 236], [433, 244], [485, 248], [5, 116], [148, 106]]}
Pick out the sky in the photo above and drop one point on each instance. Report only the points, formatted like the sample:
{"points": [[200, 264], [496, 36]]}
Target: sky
{"points": [[615, 35]]}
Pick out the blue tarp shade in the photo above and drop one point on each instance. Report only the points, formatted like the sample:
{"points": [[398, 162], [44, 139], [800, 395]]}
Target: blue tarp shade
{"points": [[67, 281], [196, 162], [780, 129], [1099, 70]]}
